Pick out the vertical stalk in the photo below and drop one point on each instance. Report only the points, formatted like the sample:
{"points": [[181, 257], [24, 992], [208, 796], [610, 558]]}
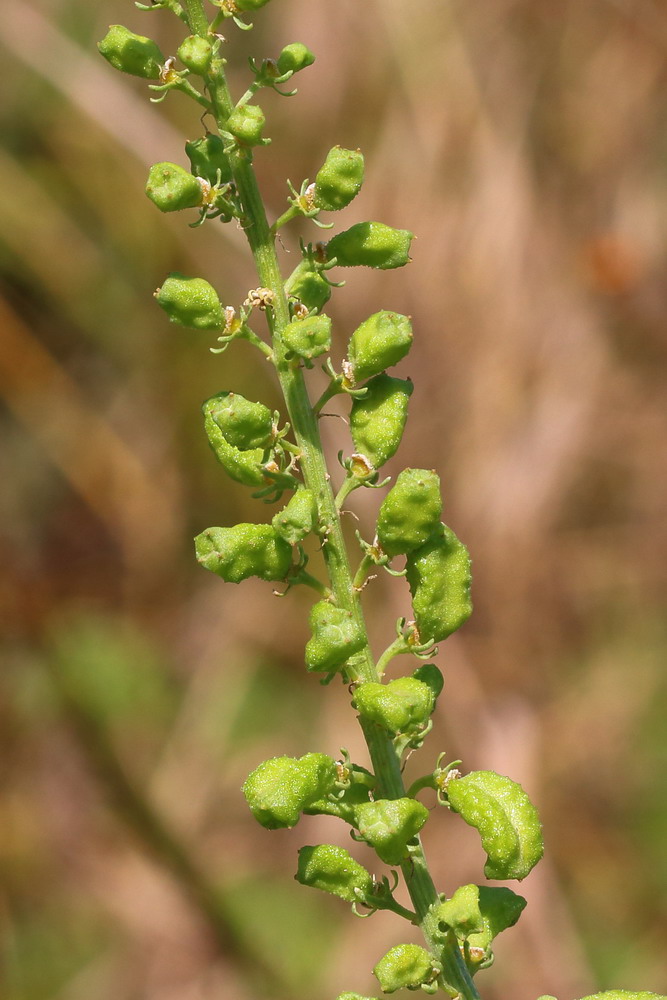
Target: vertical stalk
{"points": [[385, 760]]}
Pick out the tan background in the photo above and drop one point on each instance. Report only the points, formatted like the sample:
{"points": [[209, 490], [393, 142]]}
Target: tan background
{"points": [[525, 143]]}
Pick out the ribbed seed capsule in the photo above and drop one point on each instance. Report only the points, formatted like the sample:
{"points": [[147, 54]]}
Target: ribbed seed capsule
{"points": [[377, 419], [381, 341], [410, 512], [279, 790], [339, 179], [245, 424], [196, 54], [297, 519], [333, 869], [438, 574], [401, 706], [370, 244], [405, 966], [336, 637], [191, 302], [308, 338], [245, 550], [389, 824], [172, 188], [243, 466], [247, 124], [130, 53], [208, 159], [294, 57]]}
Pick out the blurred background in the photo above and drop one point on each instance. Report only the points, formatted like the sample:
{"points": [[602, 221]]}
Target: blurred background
{"points": [[525, 143]]}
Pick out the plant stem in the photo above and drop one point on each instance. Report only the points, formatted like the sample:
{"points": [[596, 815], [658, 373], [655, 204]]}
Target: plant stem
{"points": [[386, 761]]}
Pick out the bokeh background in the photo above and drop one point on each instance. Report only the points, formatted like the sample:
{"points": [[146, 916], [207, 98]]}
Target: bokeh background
{"points": [[525, 143]]}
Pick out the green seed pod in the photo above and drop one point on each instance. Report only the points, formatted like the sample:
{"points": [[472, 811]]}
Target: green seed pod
{"points": [[241, 466], [360, 784], [388, 824], [479, 913], [381, 341], [401, 706], [405, 966], [430, 675], [298, 518], [336, 637], [246, 124], [334, 870], [309, 287], [377, 419], [438, 574], [196, 54], [621, 995], [294, 57], [172, 188], [339, 179], [245, 425], [279, 789], [505, 818], [410, 512], [309, 337], [208, 159], [370, 244], [243, 551], [191, 302], [353, 996], [130, 53]]}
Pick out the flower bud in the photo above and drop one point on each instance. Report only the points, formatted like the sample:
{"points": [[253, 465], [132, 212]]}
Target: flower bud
{"points": [[191, 302], [297, 519], [401, 706], [410, 512], [309, 287], [334, 870], [381, 341], [388, 824], [377, 419], [438, 574], [208, 159], [405, 966], [309, 337], [281, 788], [336, 637], [339, 179], [245, 424], [172, 188], [243, 551], [243, 466], [370, 244], [294, 57], [246, 124], [196, 54], [130, 53]]}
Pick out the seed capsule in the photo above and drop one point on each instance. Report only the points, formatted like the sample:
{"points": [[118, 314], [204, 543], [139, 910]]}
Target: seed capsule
{"points": [[339, 179], [245, 424], [130, 53], [401, 706], [297, 519], [410, 512], [309, 287], [370, 244], [246, 124], [243, 466], [334, 870], [377, 419], [336, 637], [389, 824], [309, 337], [294, 57], [438, 574], [172, 188], [505, 819], [196, 54], [243, 551], [281, 788], [477, 914], [405, 966], [430, 675], [355, 996], [208, 159], [191, 302], [381, 341]]}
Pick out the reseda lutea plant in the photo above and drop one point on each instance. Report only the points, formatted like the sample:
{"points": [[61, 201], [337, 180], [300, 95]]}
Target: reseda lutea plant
{"points": [[284, 463]]}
